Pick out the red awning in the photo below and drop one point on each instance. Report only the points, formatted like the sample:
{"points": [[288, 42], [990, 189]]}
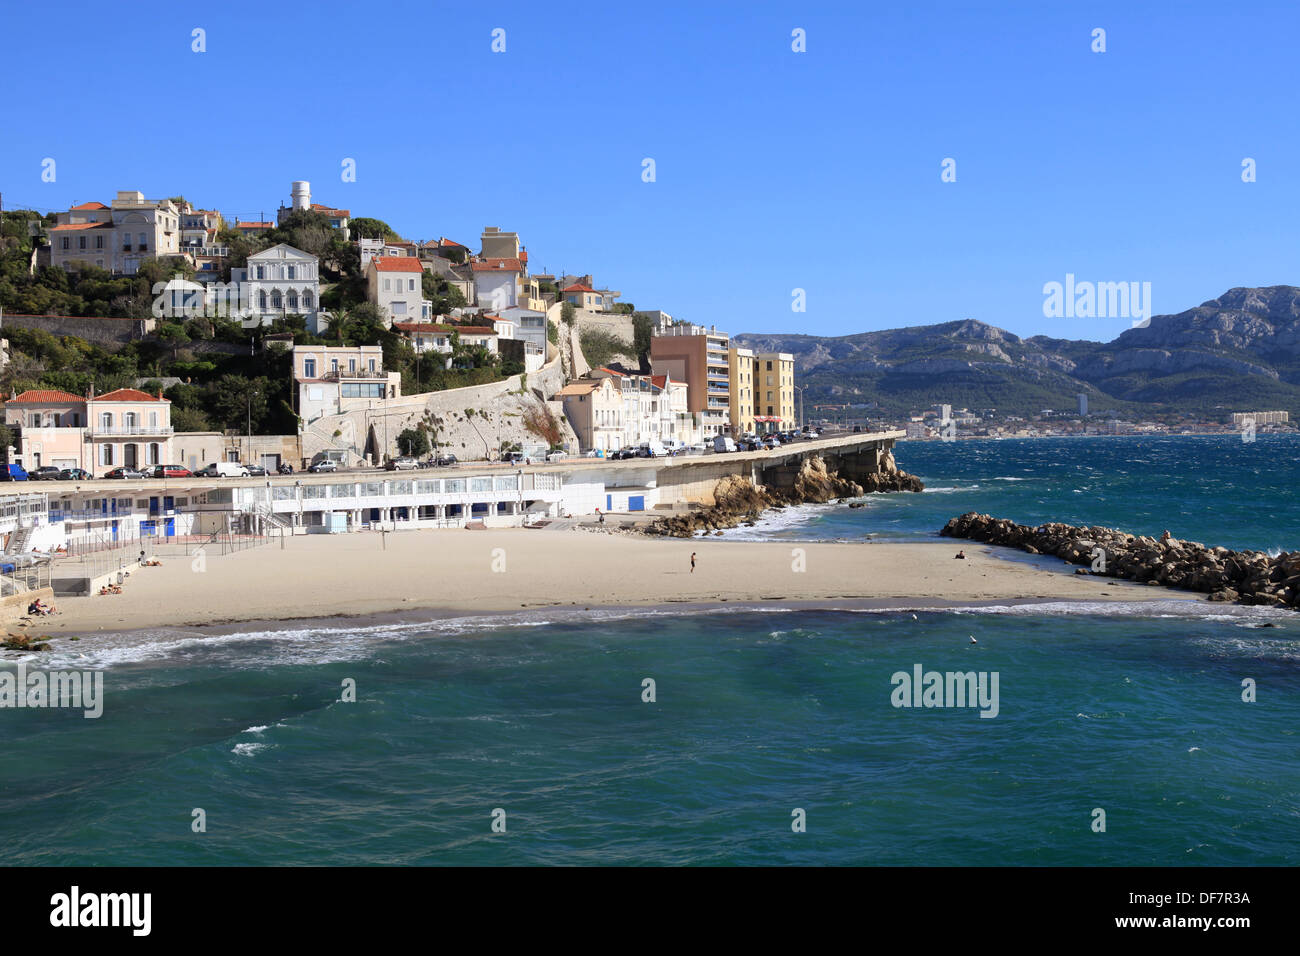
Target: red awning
{"points": [[766, 418]]}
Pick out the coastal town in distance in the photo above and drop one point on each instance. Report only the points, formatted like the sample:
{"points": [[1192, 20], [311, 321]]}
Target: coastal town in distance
{"points": [[611, 437]]}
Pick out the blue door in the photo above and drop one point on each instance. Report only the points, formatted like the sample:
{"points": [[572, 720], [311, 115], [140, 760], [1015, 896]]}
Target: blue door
{"points": [[609, 502], [169, 503], [171, 528], [153, 505], [636, 503]]}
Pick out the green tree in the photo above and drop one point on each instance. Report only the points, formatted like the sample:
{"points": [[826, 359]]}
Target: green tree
{"points": [[363, 227], [566, 313], [413, 441], [190, 420], [233, 400]]}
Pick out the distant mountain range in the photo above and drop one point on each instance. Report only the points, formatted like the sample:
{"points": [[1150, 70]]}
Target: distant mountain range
{"points": [[1239, 352]]}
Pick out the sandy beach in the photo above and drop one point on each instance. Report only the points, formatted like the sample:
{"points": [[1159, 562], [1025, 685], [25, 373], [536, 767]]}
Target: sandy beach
{"points": [[497, 571]]}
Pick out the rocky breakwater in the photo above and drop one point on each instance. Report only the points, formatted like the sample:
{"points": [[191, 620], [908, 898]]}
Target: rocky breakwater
{"points": [[737, 500], [1248, 577]]}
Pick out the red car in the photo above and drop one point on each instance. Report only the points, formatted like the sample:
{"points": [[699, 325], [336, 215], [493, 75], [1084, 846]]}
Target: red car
{"points": [[170, 471]]}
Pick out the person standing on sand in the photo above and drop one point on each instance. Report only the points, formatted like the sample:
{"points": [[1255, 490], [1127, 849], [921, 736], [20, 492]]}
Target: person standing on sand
{"points": [[692, 562]]}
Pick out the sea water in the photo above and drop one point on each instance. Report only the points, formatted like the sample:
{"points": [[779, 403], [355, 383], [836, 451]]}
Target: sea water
{"points": [[1125, 734]]}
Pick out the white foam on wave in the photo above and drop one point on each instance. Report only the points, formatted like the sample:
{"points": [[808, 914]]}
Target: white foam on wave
{"points": [[773, 522], [949, 489], [1188, 608], [322, 644], [255, 730], [247, 750]]}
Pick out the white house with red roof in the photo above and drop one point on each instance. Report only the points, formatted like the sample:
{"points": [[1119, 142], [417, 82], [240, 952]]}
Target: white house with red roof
{"points": [[497, 283], [123, 428], [396, 285]]}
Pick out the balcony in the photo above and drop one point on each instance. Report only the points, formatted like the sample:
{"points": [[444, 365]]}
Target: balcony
{"points": [[117, 431], [338, 374]]}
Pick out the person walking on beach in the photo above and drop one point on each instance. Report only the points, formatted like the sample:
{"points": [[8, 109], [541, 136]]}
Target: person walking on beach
{"points": [[692, 562]]}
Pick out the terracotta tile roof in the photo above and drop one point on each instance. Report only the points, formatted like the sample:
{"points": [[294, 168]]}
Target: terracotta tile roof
{"points": [[90, 205], [499, 265], [44, 396], [254, 225], [578, 287], [127, 395], [660, 380], [330, 210], [610, 371], [579, 388], [397, 264], [70, 226], [444, 242]]}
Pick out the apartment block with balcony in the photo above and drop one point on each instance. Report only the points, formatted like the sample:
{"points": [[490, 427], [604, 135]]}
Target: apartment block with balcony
{"points": [[740, 364], [124, 428], [699, 357], [774, 391], [117, 237], [334, 379]]}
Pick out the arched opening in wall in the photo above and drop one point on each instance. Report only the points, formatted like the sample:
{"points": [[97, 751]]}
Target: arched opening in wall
{"points": [[372, 449]]}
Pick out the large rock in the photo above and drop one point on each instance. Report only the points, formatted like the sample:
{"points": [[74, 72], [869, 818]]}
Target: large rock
{"points": [[1250, 577]]}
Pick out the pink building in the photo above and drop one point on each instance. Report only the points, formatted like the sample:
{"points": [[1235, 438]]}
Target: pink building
{"points": [[126, 428]]}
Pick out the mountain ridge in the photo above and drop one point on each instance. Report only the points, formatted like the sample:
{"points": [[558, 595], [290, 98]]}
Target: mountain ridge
{"points": [[1237, 352]]}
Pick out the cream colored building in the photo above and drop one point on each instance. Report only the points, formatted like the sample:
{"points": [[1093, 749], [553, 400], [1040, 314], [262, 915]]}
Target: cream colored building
{"points": [[117, 237], [595, 409], [334, 379], [774, 391], [740, 364], [124, 428]]}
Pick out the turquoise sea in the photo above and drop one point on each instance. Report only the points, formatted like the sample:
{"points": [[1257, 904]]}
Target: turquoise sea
{"points": [[758, 713]]}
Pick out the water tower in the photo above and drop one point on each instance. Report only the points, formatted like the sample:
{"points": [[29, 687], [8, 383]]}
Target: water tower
{"points": [[301, 195]]}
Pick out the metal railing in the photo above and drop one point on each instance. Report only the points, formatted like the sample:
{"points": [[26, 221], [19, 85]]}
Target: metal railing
{"points": [[24, 579], [130, 430]]}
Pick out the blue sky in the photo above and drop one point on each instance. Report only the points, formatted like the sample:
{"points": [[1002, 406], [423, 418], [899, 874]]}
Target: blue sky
{"points": [[775, 170]]}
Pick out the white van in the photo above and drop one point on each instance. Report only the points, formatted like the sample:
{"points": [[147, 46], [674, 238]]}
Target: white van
{"points": [[224, 469], [723, 443], [655, 448]]}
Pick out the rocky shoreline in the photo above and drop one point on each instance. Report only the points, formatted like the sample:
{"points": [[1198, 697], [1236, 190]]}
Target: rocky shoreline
{"points": [[738, 501], [1246, 577]]}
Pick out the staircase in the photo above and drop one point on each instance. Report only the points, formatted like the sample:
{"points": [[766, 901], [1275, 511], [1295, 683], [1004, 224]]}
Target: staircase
{"points": [[19, 541]]}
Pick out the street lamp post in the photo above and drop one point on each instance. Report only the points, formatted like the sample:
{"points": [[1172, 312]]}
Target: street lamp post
{"points": [[250, 426]]}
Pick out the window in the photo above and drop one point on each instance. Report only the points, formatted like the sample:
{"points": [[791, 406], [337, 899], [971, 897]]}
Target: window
{"points": [[106, 454], [154, 451], [261, 272], [388, 285], [106, 420], [153, 419], [65, 242], [291, 273], [129, 420], [306, 299], [372, 365], [275, 298], [309, 368], [769, 368], [81, 242], [261, 299], [293, 300], [352, 365], [410, 285]]}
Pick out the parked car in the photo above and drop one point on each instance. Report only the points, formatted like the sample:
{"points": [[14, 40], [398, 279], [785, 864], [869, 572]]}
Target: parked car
{"points": [[513, 456], [75, 474], [325, 464], [223, 469], [595, 453], [256, 471], [44, 473], [124, 473], [447, 459], [13, 473], [557, 456], [811, 433], [402, 463], [724, 443], [170, 471], [622, 454]]}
